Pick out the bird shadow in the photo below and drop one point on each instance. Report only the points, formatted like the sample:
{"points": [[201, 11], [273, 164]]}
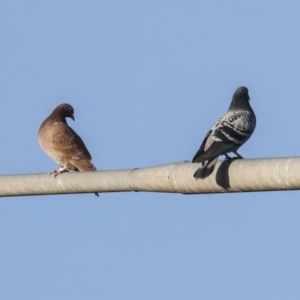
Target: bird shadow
{"points": [[222, 175]]}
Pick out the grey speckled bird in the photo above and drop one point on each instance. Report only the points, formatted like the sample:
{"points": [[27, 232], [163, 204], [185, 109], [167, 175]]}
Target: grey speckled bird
{"points": [[227, 135], [63, 144]]}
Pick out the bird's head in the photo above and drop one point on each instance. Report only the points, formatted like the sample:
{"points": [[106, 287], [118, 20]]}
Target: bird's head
{"points": [[240, 99], [241, 93], [64, 111]]}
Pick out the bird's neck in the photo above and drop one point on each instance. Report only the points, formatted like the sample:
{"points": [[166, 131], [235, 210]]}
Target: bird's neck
{"points": [[240, 105], [57, 118]]}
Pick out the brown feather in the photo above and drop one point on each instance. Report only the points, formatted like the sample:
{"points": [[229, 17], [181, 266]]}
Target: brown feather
{"points": [[62, 143]]}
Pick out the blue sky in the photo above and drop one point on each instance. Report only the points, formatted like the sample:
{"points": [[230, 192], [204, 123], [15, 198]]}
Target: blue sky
{"points": [[147, 79]]}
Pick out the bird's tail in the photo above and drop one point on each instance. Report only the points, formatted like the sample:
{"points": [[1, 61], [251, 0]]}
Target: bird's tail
{"points": [[88, 166], [207, 167], [83, 165]]}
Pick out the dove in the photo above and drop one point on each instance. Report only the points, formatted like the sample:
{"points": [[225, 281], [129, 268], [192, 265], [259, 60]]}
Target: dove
{"points": [[63, 144], [228, 134]]}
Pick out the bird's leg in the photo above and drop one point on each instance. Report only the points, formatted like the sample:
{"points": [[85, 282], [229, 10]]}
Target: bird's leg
{"points": [[238, 155], [59, 171], [227, 157]]}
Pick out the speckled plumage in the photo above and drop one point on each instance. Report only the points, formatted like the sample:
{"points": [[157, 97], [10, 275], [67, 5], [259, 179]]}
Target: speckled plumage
{"points": [[227, 135]]}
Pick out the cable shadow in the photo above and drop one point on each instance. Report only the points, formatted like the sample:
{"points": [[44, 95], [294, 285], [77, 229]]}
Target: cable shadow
{"points": [[222, 175]]}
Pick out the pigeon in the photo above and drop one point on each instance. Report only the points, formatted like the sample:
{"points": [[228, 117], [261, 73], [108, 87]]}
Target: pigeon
{"points": [[62, 143], [227, 135]]}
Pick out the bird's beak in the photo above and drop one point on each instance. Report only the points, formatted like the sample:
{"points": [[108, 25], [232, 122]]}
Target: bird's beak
{"points": [[72, 117]]}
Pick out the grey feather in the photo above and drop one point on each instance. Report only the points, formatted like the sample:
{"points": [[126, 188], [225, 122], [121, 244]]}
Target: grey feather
{"points": [[228, 134]]}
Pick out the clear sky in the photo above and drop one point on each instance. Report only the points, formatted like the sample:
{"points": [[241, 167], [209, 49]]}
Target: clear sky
{"points": [[147, 80]]}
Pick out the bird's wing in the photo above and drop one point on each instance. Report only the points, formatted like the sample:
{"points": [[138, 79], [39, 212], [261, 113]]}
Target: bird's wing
{"points": [[201, 150], [206, 144], [67, 143], [230, 132], [235, 127]]}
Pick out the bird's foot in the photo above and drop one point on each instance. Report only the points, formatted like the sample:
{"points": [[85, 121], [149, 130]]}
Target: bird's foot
{"points": [[227, 157], [234, 158], [59, 171], [238, 155]]}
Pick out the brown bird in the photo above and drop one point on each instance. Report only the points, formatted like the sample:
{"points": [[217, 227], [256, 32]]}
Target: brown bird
{"points": [[63, 144]]}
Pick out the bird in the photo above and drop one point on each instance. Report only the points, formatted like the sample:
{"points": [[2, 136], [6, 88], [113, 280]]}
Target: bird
{"points": [[227, 135], [63, 144]]}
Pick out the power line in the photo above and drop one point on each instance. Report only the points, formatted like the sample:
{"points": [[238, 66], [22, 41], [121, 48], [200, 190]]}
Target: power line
{"points": [[241, 175]]}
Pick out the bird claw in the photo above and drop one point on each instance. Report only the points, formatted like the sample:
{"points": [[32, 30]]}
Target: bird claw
{"points": [[227, 157], [238, 156], [234, 158], [57, 172]]}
